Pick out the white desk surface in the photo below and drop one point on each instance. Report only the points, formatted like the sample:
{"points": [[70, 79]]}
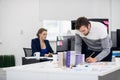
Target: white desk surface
{"points": [[98, 69], [38, 57]]}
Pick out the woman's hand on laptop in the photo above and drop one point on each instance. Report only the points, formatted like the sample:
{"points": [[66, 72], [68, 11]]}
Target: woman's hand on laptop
{"points": [[48, 55]]}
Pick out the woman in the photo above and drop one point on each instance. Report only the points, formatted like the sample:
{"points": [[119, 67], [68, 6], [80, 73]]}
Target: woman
{"points": [[41, 45]]}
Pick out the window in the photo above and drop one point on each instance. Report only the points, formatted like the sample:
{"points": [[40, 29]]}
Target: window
{"points": [[56, 28]]}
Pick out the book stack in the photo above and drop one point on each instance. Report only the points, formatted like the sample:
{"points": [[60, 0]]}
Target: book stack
{"points": [[61, 60], [79, 59], [69, 58]]}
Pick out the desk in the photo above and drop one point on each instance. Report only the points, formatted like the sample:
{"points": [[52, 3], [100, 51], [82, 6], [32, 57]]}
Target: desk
{"points": [[2, 74], [30, 60], [50, 71]]}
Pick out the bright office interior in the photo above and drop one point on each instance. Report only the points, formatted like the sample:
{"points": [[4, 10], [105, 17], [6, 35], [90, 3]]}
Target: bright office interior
{"points": [[20, 20]]}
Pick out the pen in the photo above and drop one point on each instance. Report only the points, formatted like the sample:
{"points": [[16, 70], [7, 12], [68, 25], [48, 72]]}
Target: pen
{"points": [[89, 59], [91, 54]]}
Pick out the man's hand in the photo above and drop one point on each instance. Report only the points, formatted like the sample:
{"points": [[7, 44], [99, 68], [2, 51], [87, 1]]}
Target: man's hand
{"points": [[91, 60]]}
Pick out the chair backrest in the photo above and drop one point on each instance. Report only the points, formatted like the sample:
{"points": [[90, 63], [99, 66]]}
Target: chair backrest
{"points": [[28, 52]]}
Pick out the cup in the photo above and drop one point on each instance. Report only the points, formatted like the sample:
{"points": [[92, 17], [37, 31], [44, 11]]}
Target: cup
{"points": [[117, 60], [37, 55], [55, 58]]}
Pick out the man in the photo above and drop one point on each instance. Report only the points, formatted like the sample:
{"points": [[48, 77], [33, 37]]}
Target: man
{"points": [[94, 34]]}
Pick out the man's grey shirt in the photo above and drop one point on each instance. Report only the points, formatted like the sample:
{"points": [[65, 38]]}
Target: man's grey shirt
{"points": [[96, 40]]}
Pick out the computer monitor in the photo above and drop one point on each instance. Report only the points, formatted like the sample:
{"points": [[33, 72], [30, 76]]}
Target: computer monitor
{"points": [[114, 38], [73, 24], [118, 38], [66, 43]]}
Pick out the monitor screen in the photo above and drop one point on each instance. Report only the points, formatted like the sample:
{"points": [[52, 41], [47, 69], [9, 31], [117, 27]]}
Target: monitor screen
{"points": [[66, 43], [114, 38], [73, 24], [118, 38]]}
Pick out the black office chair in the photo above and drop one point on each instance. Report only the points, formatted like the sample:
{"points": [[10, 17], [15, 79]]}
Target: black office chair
{"points": [[28, 52]]}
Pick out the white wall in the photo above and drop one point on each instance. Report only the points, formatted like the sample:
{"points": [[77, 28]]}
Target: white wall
{"points": [[20, 19], [72, 9], [115, 15]]}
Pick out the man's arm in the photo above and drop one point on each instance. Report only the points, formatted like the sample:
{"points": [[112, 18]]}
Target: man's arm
{"points": [[106, 44], [78, 43]]}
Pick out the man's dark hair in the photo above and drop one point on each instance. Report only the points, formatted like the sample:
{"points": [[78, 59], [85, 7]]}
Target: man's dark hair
{"points": [[81, 21]]}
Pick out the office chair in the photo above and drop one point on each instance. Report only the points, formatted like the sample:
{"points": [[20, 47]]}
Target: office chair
{"points": [[28, 52]]}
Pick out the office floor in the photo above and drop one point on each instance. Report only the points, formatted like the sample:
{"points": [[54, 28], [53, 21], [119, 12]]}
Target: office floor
{"points": [[2, 74]]}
